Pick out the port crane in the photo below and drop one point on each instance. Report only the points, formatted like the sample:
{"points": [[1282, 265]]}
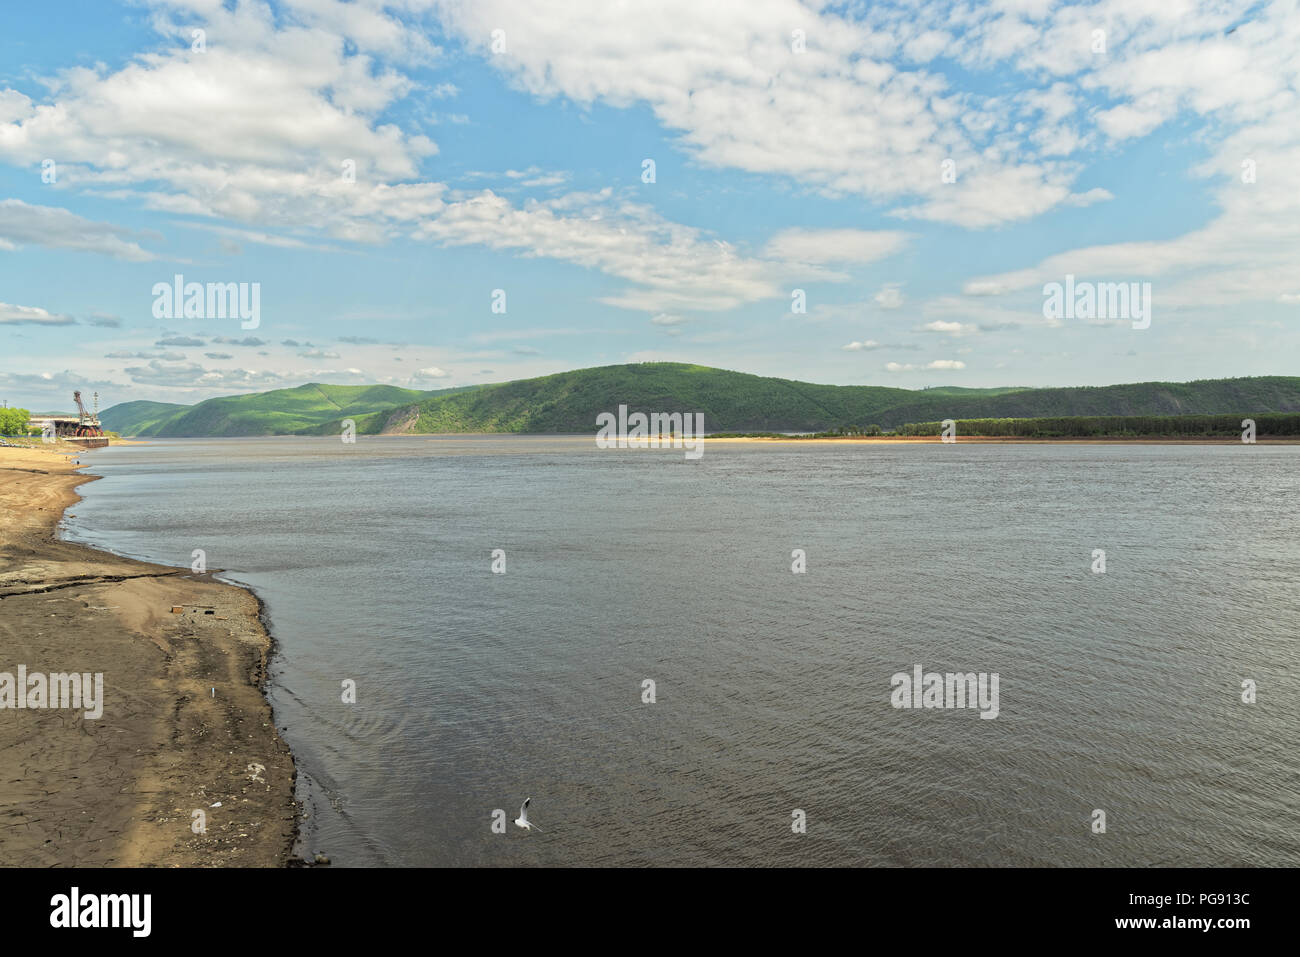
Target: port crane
{"points": [[87, 422]]}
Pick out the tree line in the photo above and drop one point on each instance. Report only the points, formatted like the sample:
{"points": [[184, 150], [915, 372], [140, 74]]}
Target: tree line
{"points": [[1118, 426]]}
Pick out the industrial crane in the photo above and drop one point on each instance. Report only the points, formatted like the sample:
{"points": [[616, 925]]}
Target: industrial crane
{"points": [[87, 422]]}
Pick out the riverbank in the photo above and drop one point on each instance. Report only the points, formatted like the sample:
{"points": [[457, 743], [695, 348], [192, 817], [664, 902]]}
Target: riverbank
{"points": [[990, 440], [185, 725]]}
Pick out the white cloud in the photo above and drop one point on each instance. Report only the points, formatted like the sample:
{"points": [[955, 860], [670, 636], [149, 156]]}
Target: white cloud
{"points": [[889, 297], [938, 365], [1247, 253], [52, 389], [984, 287], [1129, 121], [192, 375], [834, 245], [838, 116], [988, 315], [256, 236], [925, 46], [285, 97], [674, 267], [12, 315], [1164, 60], [56, 228], [951, 328], [257, 129]]}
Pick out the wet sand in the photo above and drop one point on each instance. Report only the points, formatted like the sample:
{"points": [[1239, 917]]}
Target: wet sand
{"points": [[121, 790]]}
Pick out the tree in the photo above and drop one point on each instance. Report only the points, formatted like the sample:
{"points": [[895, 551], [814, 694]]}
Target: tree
{"points": [[14, 421]]}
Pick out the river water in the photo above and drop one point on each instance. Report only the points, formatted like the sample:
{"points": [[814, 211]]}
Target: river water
{"points": [[1118, 691]]}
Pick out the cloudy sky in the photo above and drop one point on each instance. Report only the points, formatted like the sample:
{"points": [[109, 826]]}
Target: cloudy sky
{"points": [[914, 173]]}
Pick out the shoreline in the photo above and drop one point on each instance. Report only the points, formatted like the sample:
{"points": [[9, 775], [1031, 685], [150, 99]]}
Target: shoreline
{"points": [[772, 439], [122, 790], [846, 439], [994, 440]]}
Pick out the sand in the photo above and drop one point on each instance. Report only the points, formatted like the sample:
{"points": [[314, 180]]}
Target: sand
{"points": [[991, 440], [121, 790]]}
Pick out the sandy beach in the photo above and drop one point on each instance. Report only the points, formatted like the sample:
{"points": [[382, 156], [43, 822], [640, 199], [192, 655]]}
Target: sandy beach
{"points": [[121, 790], [985, 440]]}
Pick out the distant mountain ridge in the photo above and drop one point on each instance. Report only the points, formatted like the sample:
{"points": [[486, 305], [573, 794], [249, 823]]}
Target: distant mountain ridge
{"points": [[731, 401], [278, 412]]}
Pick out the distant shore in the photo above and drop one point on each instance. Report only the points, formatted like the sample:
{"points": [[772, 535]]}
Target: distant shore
{"points": [[185, 725], [805, 440], [992, 440]]}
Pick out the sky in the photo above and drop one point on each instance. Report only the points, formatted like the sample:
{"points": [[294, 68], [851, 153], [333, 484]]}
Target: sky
{"points": [[436, 193]]}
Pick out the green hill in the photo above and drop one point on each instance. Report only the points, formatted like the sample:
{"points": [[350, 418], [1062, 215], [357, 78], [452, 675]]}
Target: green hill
{"points": [[1204, 397], [730, 401], [737, 402], [279, 412], [570, 401], [135, 418]]}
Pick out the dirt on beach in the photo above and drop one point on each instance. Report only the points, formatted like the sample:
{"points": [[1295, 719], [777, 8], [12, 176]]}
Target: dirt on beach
{"points": [[185, 724]]}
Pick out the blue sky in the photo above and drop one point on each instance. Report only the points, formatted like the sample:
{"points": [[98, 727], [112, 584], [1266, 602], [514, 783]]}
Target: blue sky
{"points": [[796, 147]]}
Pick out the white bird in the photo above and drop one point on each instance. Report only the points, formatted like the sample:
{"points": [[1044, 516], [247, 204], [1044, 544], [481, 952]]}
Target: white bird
{"points": [[522, 819]]}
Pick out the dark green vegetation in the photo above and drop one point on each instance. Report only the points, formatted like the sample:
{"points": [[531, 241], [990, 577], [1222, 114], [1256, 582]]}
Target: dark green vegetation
{"points": [[1246, 396], [730, 401], [735, 401], [570, 401], [1277, 424], [280, 412]]}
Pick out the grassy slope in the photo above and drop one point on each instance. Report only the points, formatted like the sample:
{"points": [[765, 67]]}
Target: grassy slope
{"points": [[132, 418], [733, 401], [570, 401], [274, 413], [730, 401]]}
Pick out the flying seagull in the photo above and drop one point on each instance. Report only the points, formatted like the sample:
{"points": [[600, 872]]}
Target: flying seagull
{"points": [[522, 819]]}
